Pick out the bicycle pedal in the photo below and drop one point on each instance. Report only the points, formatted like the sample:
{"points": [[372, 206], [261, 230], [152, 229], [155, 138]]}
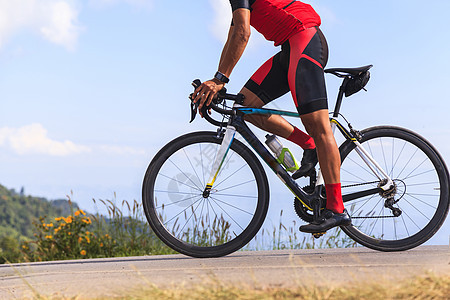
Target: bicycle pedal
{"points": [[318, 234]]}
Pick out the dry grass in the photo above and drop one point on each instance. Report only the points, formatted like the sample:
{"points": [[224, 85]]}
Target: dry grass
{"points": [[429, 286]]}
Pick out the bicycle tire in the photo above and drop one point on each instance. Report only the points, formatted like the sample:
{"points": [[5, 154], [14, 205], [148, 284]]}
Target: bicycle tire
{"points": [[422, 189], [188, 160]]}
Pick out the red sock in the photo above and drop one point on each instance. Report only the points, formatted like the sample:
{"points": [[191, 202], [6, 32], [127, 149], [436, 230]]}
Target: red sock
{"points": [[334, 197], [302, 139]]}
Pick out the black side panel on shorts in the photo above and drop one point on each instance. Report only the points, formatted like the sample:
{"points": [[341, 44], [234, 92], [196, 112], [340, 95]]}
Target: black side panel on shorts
{"points": [[235, 4], [275, 84], [318, 48], [311, 87]]}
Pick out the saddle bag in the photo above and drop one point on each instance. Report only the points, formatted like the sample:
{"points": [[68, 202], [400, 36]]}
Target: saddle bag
{"points": [[357, 83]]}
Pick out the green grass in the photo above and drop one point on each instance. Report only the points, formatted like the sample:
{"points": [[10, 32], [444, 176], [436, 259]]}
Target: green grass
{"points": [[123, 232]]}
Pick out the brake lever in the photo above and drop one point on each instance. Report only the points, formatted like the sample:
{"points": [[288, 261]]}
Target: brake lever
{"points": [[194, 106]]}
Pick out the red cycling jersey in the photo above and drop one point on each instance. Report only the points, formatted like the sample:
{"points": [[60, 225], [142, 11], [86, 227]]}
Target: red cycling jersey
{"points": [[278, 20]]}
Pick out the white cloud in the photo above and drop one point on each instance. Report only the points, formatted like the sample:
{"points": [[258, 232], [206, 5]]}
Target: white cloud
{"points": [[54, 20], [33, 139]]}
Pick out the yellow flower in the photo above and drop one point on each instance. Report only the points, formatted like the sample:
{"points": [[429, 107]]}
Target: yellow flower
{"points": [[88, 239], [58, 219], [69, 219], [80, 239], [25, 247], [82, 212], [48, 236], [57, 229], [87, 232], [101, 244], [69, 233], [50, 225], [86, 220], [83, 252], [77, 213]]}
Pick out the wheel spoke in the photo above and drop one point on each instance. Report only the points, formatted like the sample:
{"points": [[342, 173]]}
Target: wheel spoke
{"points": [[235, 195], [192, 166], [418, 210], [188, 177], [178, 202], [398, 157], [190, 217], [406, 165], [227, 214], [236, 185], [235, 207], [411, 195], [229, 176], [180, 182], [184, 210]]}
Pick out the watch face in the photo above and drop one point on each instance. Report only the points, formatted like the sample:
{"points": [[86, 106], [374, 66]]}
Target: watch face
{"points": [[221, 77]]}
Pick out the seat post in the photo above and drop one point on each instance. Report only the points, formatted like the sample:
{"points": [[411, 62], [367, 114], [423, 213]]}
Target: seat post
{"points": [[340, 96]]}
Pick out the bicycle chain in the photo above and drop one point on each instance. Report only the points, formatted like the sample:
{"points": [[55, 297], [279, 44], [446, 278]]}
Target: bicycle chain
{"points": [[359, 184], [376, 217]]}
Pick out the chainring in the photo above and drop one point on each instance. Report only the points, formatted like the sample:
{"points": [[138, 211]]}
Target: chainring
{"points": [[302, 212]]}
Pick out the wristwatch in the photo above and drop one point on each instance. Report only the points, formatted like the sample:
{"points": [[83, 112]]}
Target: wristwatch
{"points": [[221, 77]]}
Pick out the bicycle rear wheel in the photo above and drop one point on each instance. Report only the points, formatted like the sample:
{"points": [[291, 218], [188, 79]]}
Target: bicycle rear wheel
{"points": [[183, 218], [421, 191]]}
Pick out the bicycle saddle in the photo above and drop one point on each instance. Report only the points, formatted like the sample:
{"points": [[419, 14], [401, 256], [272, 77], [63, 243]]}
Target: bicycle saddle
{"points": [[348, 71]]}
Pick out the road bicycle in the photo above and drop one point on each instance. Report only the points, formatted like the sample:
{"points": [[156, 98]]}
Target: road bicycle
{"points": [[206, 194]]}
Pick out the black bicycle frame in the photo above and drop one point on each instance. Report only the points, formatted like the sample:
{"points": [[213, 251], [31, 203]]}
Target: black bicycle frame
{"points": [[311, 201]]}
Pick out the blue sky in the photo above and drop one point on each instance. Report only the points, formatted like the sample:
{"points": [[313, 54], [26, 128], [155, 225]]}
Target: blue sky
{"points": [[91, 89]]}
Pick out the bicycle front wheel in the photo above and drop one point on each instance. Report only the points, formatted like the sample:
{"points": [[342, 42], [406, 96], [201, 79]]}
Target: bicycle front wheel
{"points": [[213, 225], [412, 212]]}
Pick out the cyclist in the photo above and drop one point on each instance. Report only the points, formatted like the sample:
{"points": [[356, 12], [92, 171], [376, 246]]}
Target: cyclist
{"points": [[297, 68]]}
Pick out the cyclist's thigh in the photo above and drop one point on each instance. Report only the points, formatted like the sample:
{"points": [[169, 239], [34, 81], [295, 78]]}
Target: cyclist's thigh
{"points": [[308, 57], [267, 83]]}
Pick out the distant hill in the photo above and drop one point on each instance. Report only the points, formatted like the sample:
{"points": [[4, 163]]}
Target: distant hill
{"points": [[18, 211]]}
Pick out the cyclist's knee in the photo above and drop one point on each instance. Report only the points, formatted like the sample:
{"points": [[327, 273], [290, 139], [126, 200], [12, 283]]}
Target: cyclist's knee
{"points": [[251, 100], [317, 124]]}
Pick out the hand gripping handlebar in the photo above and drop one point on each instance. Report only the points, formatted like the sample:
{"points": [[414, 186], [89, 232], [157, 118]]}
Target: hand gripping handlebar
{"points": [[221, 96]]}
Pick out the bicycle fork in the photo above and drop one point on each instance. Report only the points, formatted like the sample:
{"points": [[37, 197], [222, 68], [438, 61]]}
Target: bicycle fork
{"points": [[230, 133]]}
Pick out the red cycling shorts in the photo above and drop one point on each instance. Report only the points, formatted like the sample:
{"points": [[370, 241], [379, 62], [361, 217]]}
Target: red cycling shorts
{"points": [[298, 68]]}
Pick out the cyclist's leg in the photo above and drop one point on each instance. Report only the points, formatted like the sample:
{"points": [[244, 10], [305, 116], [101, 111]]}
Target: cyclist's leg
{"points": [[318, 126], [271, 123], [309, 54], [268, 83]]}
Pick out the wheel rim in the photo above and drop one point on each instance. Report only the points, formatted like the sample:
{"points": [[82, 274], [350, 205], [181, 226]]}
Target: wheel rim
{"points": [[200, 221], [417, 192]]}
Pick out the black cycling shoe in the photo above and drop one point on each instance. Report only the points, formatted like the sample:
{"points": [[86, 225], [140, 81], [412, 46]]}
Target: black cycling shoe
{"points": [[309, 161], [327, 220]]}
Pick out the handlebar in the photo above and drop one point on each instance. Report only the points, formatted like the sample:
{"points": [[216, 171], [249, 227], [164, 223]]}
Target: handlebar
{"points": [[221, 96]]}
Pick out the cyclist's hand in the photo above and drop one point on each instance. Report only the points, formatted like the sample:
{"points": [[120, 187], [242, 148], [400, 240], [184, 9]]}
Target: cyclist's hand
{"points": [[205, 93]]}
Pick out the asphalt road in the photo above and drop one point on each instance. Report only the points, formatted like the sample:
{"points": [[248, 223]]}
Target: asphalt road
{"points": [[113, 276]]}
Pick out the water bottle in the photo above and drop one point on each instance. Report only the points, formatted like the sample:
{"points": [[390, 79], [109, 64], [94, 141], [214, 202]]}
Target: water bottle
{"points": [[283, 155]]}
